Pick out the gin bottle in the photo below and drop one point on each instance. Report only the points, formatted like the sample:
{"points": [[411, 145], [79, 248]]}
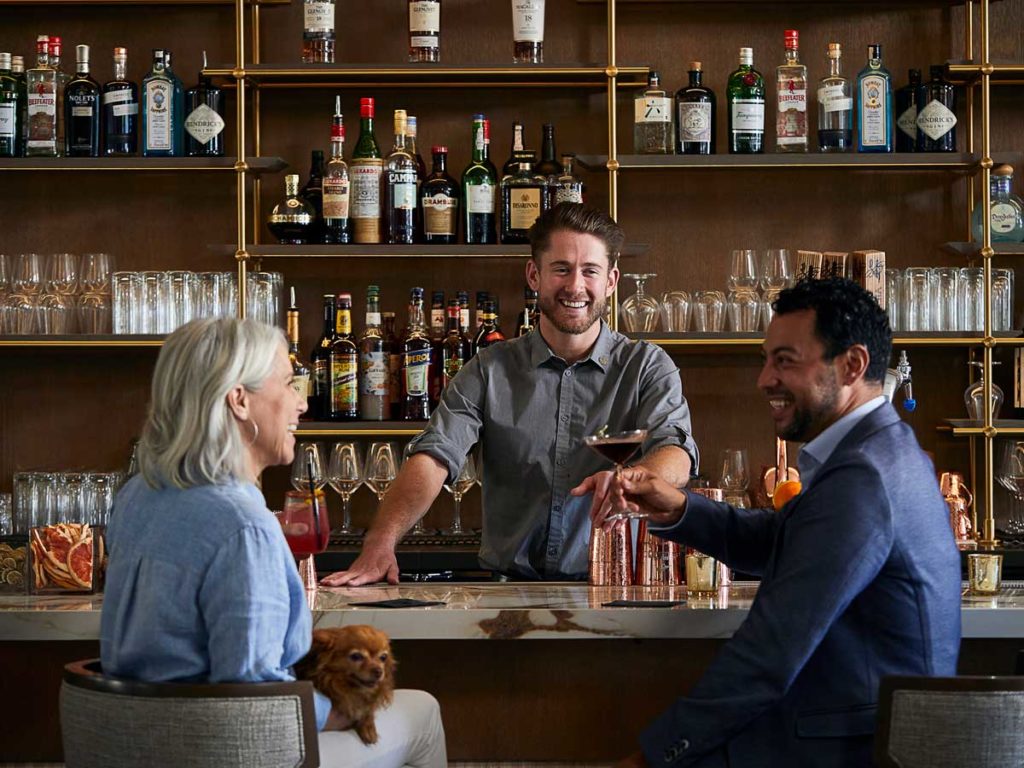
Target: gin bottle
{"points": [[791, 116], [652, 119], [1007, 210], [874, 104], [695, 115], [318, 32], [158, 109], [835, 106], [936, 114], [10, 129], [120, 110], [204, 124], [479, 189], [18, 73], [906, 113], [63, 78], [82, 110], [745, 94], [337, 227], [42, 104]]}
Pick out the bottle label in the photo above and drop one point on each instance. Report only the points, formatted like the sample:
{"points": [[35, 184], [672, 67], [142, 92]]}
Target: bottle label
{"points": [[81, 111], [439, 214], [416, 367], [569, 192], [343, 322], [480, 198], [832, 99], [424, 41], [204, 124], [8, 116], [42, 119], [425, 19], [524, 207], [336, 197], [748, 116], [372, 318], [301, 384], [464, 317], [935, 120], [366, 188], [452, 365], [117, 97], [908, 121], [694, 121], [652, 109], [345, 384], [528, 21], [403, 189], [792, 98], [791, 118], [318, 16], [437, 321], [1003, 217], [123, 110], [873, 111], [375, 374], [159, 104]]}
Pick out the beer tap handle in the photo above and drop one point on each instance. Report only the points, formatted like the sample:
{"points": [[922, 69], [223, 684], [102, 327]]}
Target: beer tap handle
{"points": [[906, 382]]}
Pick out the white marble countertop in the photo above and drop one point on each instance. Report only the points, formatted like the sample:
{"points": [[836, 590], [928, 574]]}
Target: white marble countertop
{"points": [[532, 611]]}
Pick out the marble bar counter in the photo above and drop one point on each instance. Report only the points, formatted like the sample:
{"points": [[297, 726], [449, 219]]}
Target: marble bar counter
{"points": [[509, 611]]}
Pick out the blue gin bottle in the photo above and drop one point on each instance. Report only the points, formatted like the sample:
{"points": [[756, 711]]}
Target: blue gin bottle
{"points": [[161, 118], [178, 123], [874, 104], [1007, 210]]}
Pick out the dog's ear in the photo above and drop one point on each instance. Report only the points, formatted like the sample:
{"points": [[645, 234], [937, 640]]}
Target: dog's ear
{"points": [[323, 641]]}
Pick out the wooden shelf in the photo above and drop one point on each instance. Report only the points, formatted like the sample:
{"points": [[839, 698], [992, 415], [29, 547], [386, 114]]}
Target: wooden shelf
{"points": [[104, 341], [972, 428], [138, 2], [432, 75], [256, 165], [746, 343], [386, 429], [399, 251], [843, 4], [962, 162], [971, 250]]}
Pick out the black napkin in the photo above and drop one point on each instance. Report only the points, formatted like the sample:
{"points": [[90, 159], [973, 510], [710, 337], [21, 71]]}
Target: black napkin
{"points": [[401, 602], [642, 603]]}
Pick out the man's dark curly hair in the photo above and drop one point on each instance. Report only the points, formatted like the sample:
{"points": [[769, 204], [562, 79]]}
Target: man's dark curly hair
{"points": [[845, 314]]}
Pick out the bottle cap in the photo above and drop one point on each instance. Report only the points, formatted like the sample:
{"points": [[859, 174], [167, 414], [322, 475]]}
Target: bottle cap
{"points": [[834, 50], [746, 56], [55, 45], [5, 61], [439, 150], [82, 54], [652, 79], [792, 39], [42, 44], [1003, 170], [120, 53], [345, 298], [695, 66], [338, 129], [400, 121], [416, 293], [875, 51], [478, 118], [366, 107], [410, 126], [936, 71]]}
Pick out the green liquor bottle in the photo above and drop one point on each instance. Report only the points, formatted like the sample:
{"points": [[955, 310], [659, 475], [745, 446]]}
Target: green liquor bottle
{"points": [[745, 94], [479, 188]]}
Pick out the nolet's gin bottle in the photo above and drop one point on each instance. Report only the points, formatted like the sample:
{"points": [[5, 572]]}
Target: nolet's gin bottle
{"points": [[745, 94], [791, 116], [874, 104], [835, 106]]}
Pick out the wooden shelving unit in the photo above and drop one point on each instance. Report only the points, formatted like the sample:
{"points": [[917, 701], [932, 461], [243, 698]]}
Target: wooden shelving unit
{"points": [[254, 165], [957, 162]]}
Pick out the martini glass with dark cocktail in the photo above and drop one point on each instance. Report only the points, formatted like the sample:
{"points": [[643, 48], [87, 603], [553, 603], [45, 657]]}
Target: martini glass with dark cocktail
{"points": [[618, 448]]}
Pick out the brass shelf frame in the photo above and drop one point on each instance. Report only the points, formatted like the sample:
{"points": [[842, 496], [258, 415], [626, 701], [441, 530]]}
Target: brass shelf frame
{"points": [[971, 73], [253, 165], [360, 428], [973, 250], [960, 162], [401, 251], [118, 3], [106, 341], [750, 343]]}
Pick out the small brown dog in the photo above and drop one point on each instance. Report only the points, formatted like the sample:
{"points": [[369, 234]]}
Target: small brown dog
{"points": [[354, 668]]}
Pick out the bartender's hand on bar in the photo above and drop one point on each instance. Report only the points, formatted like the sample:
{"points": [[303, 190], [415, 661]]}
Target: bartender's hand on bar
{"points": [[640, 491], [375, 563]]}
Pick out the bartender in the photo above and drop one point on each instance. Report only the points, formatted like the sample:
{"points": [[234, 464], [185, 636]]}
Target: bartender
{"points": [[530, 402]]}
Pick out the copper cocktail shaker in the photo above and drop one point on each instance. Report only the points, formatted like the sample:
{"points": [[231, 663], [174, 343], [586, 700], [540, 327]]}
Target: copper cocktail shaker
{"points": [[611, 555], [958, 500], [657, 560]]}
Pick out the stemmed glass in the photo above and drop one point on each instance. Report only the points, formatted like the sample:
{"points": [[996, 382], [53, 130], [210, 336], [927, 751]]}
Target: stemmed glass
{"points": [[308, 468], [743, 275], [640, 311], [345, 475], [1010, 475], [776, 270], [735, 475], [95, 271], [382, 464], [62, 273], [467, 477], [618, 448]]}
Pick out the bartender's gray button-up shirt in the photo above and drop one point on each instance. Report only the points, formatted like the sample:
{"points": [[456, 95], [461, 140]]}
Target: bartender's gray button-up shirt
{"points": [[530, 411]]}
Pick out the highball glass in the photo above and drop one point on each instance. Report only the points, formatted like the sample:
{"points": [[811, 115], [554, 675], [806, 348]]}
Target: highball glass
{"points": [[972, 299], [744, 308], [917, 294], [127, 303], [1002, 299], [708, 311], [894, 298], [945, 299], [675, 311]]}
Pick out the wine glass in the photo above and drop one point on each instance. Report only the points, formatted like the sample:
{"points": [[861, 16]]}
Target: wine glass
{"points": [[618, 448], [640, 311], [1010, 475], [345, 474], [776, 269], [743, 275], [382, 462], [94, 273], [974, 395], [308, 468], [465, 480], [26, 273], [62, 273], [735, 476]]}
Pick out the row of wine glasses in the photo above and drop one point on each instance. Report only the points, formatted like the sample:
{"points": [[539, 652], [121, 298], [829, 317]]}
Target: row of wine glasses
{"points": [[347, 470], [1010, 475], [54, 294]]}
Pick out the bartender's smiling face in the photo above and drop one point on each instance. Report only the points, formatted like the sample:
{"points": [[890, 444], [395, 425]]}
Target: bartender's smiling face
{"points": [[803, 389], [573, 281]]}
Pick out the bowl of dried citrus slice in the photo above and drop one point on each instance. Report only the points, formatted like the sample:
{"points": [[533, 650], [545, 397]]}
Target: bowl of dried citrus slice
{"points": [[65, 557]]}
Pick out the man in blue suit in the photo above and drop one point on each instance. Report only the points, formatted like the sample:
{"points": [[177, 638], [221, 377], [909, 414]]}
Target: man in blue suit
{"points": [[860, 576]]}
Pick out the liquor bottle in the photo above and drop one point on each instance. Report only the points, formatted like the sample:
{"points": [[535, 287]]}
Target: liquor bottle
{"points": [[204, 121], [478, 313], [393, 348], [399, 189], [652, 119], [835, 106], [548, 166], [416, 355], [82, 110], [120, 110], [489, 332], [567, 187], [300, 370], [455, 348], [63, 78], [366, 168], [874, 104], [1007, 209], [320, 362], [439, 202], [745, 94], [10, 129], [41, 82], [524, 197], [158, 110], [906, 112], [344, 364], [791, 117], [936, 114], [695, 115], [337, 227], [291, 220], [437, 315], [437, 335], [411, 132], [374, 404], [528, 31], [178, 123], [313, 193], [527, 319], [424, 31], [515, 154], [463, 297], [18, 73], [318, 32], [479, 188]]}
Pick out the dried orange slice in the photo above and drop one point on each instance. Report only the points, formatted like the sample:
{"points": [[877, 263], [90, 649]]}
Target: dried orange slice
{"points": [[785, 492], [80, 564]]}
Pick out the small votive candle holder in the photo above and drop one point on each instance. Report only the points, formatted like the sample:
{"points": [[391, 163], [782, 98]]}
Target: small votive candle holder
{"points": [[703, 576], [984, 573]]}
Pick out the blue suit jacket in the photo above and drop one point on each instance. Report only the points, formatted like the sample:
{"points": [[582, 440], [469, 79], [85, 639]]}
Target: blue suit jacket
{"points": [[860, 578]]}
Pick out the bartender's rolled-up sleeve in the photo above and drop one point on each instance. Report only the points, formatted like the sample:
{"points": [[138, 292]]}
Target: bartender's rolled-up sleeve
{"points": [[662, 409]]}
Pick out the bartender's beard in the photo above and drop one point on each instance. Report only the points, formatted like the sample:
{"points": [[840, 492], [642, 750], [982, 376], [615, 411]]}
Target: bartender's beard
{"points": [[550, 308]]}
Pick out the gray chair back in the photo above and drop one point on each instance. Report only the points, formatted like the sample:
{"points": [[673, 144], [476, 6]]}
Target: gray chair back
{"points": [[110, 722], [930, 722]]}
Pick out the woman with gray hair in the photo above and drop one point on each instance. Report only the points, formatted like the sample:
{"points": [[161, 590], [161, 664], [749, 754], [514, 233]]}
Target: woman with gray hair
{"points": [[201, 585]]}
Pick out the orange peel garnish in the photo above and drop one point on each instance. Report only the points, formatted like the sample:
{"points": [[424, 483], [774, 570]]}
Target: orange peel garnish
{"points": [[785, 491]]}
